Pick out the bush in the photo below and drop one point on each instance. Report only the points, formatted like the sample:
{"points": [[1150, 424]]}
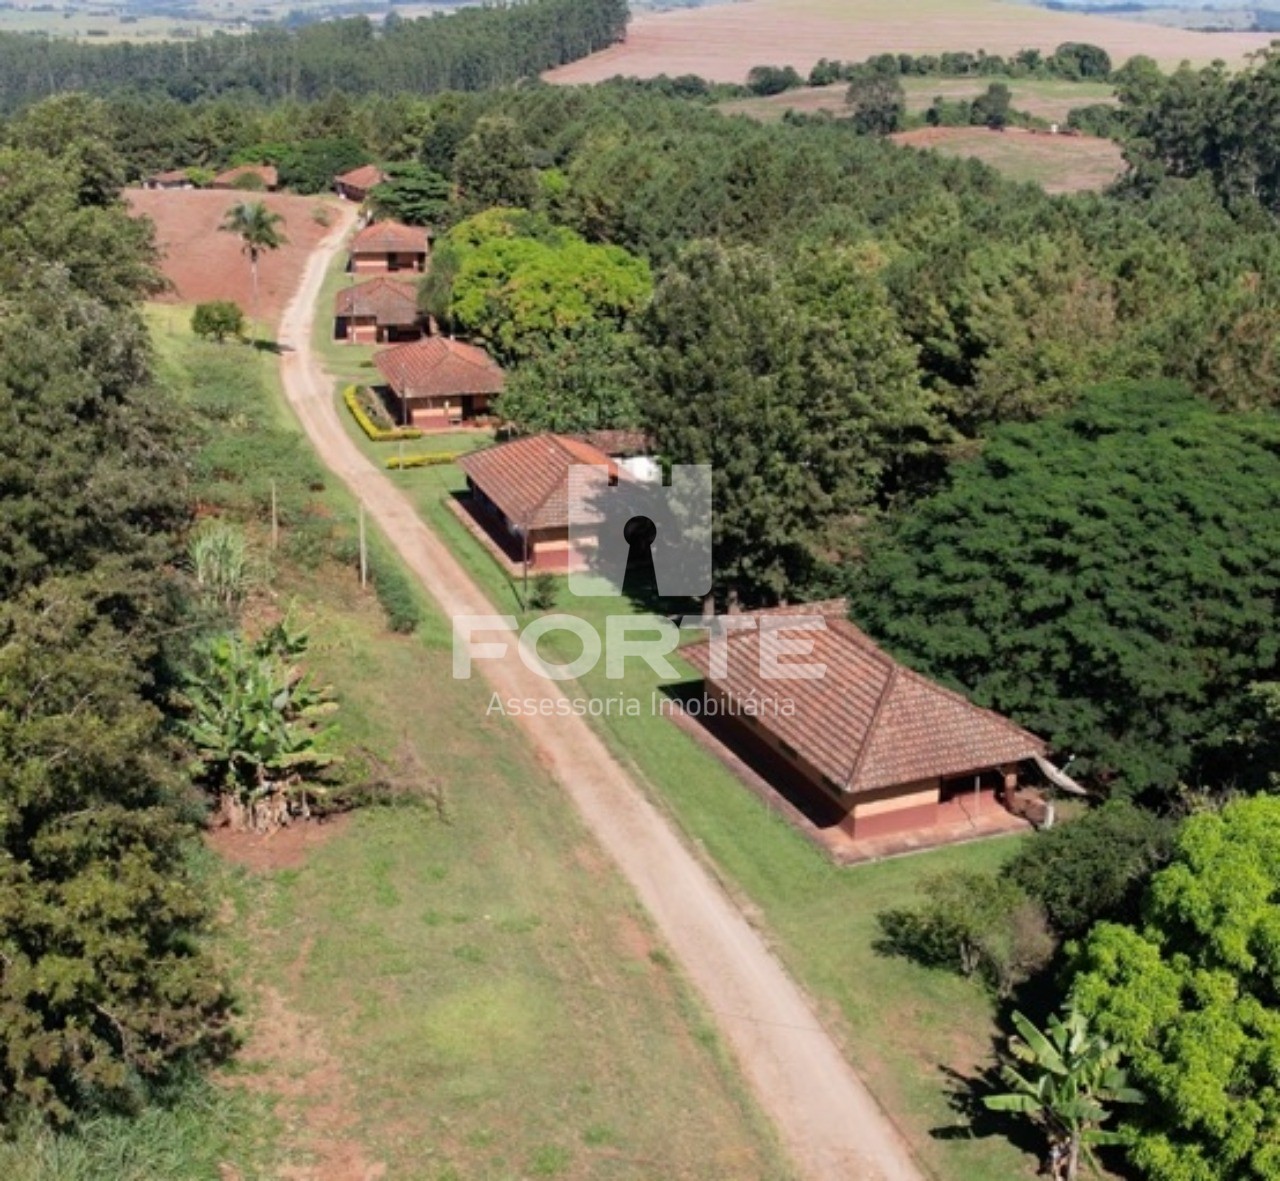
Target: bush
{"points": [[975, 924], [395, 592], [217, 320], [426, 459], [351, 395], [543, 595], [1095, 867], [768, 80], [1100, 119]]}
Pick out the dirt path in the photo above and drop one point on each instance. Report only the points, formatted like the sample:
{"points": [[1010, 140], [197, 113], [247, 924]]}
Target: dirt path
{"points": [[826, 1117]]}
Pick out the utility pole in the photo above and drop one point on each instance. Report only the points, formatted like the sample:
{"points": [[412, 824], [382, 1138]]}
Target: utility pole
{"points": [[275, 518]]}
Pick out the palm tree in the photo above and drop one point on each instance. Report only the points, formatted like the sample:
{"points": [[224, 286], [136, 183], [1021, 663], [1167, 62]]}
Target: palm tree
{"points": [[258, 229], [1072, 1075]]}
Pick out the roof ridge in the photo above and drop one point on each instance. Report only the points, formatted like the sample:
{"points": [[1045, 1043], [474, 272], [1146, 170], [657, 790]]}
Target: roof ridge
{"points": [[861, 757]]}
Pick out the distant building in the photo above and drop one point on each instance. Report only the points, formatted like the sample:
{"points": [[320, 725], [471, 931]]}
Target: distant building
{"points": [[385, 247], [249, 177], [381, 311], [176, 178], [439, 384], [358, 183]]}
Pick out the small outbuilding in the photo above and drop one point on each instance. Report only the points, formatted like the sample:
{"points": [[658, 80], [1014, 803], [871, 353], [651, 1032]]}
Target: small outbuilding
{"points": [[869, 746], [381, 311], [440, 384], [385, 247], [520, 494], [357, 184], [175, 178]]}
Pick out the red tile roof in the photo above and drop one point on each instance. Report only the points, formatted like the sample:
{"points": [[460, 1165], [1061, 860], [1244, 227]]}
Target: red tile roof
{"points": [[390, 303], [165, 177], [528, 479], [366, 177], [390, 237], [868, 722], [438, 367], [619, 442], [265, 172]]}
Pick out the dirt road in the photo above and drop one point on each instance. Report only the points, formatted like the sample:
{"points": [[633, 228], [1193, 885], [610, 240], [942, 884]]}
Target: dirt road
{"points": [[827, 1119]]}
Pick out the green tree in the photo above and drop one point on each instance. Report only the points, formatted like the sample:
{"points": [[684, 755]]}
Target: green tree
{"points": [[1095, 867], [413, 194], [105, 983], [1190, 996], [519, 283], [217, 320], [769, 80], [877, 101], [993, 106], [585, 380], [1108, 577], [1079, 59], [258, 229], [492, 167], [1066, 1079], [799, 389]]}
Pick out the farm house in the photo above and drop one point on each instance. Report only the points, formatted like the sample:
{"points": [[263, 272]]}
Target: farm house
{"points": [[520, 495], [438, 383], [357, 184], [385, 247], [381, 311], [870, 747]]}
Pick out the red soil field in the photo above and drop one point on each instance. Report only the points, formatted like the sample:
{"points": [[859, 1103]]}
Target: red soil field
{"points": [[722, 42], [203, 263]]}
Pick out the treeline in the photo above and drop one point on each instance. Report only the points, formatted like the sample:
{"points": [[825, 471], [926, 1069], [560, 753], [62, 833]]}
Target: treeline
{"points": [[105, 984], [1207, 123], [470, 49], [1073, 61]]}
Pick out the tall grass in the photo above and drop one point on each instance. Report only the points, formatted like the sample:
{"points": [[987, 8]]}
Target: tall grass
{"points": [[186, 1138]]}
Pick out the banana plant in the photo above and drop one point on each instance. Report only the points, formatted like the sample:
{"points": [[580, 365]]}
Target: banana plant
{"points": [[1065, 1079], [255, 723]]}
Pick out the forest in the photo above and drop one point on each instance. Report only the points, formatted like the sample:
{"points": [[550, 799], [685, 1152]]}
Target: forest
{"points": [[1033, 439], [476, 47]]}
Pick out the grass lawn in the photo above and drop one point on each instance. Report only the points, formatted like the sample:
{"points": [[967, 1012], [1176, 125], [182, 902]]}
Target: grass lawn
{"points": [[903, 1026], [1057, 163], [472, 993]]}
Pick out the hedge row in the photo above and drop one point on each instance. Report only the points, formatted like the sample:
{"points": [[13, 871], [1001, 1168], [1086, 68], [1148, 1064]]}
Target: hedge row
{"points": [[394, 589], [428, 459], [351, 395]]}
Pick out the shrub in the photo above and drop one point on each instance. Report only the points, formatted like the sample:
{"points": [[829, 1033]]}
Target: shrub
{"points": [[426, 459], [975, 924], [394, 590], [1095, 867], [543, 595], [351, 395], [217, 320]]}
